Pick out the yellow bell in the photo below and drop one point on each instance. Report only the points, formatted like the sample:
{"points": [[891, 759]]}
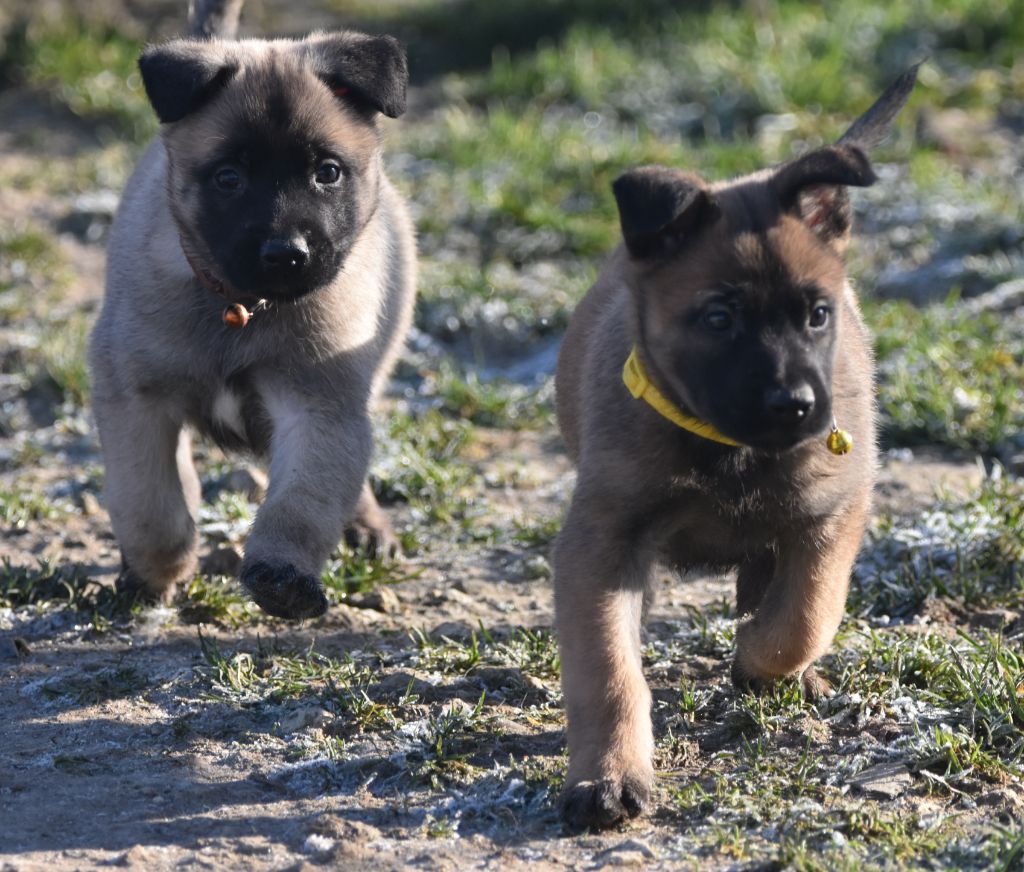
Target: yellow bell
{"points": [[839, 441]]}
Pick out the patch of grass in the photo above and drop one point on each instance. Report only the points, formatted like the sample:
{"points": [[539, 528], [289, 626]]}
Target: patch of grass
{"points": [[61, 359], [1007, 848], [418, 463], [511, 176], [356, 573], [446, 743], [29, 259], [216, 600], [969, 551], [536, 532], [985, 685], [90, 68], [534, 652], [964, 698], [270, 676], [101, 685], [520, 286], [48, 587], [463, 394], [949, 376], [19, 508]]}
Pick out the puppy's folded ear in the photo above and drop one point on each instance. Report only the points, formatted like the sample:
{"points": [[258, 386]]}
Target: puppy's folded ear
{"points": [[368, 69], [813, 187], [181, 75], [659, 208]]}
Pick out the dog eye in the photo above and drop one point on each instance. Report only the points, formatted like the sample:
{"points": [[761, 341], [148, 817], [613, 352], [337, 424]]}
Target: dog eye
{"points": [[227, 179], [719, 319], [327, 173], [819, 316]]}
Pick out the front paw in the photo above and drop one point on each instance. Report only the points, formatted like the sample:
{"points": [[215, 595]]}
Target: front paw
{"points": [[284, 592], [600, 804]]}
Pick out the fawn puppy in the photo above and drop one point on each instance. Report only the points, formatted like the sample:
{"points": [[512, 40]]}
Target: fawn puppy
{"points": [[260, 281], [701, 389]]}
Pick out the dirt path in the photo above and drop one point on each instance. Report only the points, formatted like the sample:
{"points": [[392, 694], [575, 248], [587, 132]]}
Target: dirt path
{"points": [[131, 747]]}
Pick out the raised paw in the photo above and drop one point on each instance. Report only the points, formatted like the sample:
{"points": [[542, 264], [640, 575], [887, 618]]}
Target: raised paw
{"points": [[600, 804], [284, 592]]}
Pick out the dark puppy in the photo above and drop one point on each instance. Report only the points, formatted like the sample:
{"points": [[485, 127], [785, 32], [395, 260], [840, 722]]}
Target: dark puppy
{"points": [[260, 281], [715, 446]]}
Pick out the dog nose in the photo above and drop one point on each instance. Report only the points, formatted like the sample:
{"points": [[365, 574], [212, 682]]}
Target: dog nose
{"points": [[790, 403], [284, 254]]}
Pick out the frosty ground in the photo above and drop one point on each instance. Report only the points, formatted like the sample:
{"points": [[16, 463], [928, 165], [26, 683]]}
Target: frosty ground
{"points": [[419, 722]]}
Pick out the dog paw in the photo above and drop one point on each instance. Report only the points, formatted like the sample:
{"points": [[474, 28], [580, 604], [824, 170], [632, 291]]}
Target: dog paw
{"points": [[599, 804], [813, 686], [136, 589], [284, 592], [374, 538]]}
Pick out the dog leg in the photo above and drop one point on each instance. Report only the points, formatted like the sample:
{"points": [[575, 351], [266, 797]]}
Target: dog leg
{"points": [[317, 468], [600, 577], [152, 493], [752, 581], [802, 606], [370, 530]]}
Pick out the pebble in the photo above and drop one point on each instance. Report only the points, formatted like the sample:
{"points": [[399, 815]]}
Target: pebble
{"points": [[380, 599], [300, 718], [318, 845], [89, 503], [632, 852], [884, 779]]}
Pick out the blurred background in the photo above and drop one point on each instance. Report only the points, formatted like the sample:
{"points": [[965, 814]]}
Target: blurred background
{"points": [[522, 113]]}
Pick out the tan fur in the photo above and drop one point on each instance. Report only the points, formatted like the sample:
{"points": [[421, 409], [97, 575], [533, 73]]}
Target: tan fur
{"points": [[160, 356], [792, 524]]}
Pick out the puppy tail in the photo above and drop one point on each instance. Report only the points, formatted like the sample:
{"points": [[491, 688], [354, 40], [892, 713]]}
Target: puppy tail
{"points": [[874, 125], [214, 19]]}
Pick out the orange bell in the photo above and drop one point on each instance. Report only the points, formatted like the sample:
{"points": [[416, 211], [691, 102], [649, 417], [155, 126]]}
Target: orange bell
{"points": [[236, 316]]}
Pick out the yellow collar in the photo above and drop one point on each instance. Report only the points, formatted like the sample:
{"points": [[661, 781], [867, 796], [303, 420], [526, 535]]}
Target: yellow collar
{"points": [[636, 379]]}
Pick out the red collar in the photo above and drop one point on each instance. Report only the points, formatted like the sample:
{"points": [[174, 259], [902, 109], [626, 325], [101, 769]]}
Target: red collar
{"points": [[206, 278]]}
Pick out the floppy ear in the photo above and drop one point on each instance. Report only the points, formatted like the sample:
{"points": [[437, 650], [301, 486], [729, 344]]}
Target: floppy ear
{"points": [[813, 187], [368, 69], [181, 75], [659, 208]]}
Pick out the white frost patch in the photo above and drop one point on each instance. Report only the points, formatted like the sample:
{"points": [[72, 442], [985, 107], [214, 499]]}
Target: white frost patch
{"points": [[317, 844]]}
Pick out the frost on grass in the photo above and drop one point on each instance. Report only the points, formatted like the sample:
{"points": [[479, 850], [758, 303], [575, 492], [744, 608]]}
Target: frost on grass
{"points": [[969, 551]]}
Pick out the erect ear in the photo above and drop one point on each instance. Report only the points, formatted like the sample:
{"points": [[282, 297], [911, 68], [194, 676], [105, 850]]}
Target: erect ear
{"points": [[181, 75], [659, 208], [813, 187], [368, 69]]}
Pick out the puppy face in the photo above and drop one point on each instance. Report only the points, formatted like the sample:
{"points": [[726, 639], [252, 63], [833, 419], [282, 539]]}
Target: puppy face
{"points": [[274, 153], [740, 296]]}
